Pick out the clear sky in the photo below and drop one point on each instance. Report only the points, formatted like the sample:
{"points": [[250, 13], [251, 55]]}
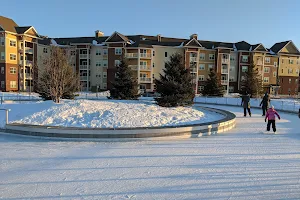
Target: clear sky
{"points": [[255, 21]]}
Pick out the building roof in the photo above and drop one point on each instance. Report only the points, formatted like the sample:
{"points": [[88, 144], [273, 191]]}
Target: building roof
{"points": [[278, 46], [7, 24], [243, 46], [22, 29]]}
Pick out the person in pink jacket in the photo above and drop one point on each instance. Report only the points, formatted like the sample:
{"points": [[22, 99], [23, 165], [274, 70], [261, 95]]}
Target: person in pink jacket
{"points": [[271, 115]]}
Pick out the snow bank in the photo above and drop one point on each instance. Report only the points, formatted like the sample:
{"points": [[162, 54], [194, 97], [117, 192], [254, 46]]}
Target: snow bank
{"points": [[107, 114]]}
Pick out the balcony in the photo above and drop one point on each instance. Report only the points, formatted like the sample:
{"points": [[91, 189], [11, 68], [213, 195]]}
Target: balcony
{"points": [[225, 60], [105, 56], [145, 79], [145, 55], [244, 60], [133, 67], [28, 50], [145, 68], [224, 82], [132, 55], [224, 70], [83, 56], [193, 69], [83, 78], [193, 59], [83, 67], [28, 63], [27, 76]]}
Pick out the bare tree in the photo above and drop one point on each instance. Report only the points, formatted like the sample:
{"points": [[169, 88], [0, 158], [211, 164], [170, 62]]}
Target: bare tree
{"points": [[57, 79]]}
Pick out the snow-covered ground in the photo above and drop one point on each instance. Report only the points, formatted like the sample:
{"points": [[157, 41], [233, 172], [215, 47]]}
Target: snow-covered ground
{"points": [[282, 104], [19, 96], [242, 163], [105, 114]]}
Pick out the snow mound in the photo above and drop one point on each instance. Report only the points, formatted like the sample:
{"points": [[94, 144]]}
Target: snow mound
{"points": [[115, 114]]}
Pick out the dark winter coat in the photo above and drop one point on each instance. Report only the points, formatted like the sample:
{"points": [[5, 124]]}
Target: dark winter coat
{"points": [[246, 101], [265, 102]]}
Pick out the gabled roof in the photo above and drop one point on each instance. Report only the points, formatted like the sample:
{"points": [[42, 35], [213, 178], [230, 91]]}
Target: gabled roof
{"points": [[258, 47], [193, 43], [117, 37], [22, 29], [278, 46], [242, 46], [8, 24]]}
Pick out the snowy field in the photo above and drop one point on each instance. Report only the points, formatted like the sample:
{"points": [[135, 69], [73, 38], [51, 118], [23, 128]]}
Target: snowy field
{"points": [[105, 114], [242, 163]]}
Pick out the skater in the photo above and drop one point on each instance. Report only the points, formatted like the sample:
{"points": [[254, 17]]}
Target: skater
{"points": [[246, 104], [271, 118], [265, 103]]}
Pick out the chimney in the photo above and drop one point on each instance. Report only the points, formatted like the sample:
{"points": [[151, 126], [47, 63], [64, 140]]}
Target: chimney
{"points": [[194, 36], [99, 34], [159, 37]]}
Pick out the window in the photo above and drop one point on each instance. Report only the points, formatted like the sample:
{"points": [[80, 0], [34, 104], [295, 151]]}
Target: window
{"points": [[267, 69], [72, 53], [244, 68], [104, 51], [118, 51], [2, 70], [282, 61], [232, 58], [2, 56], [12, 43], [231, 79], [291, 61], [13, 84], [153, 53], [104, 74], [166, 54], [153, 65], [290, 80], [211, 56], [105, 64], [243, 78], [12, 56], [98, 52], [2, 41], [200, 88], [201, 77], [231, 68], [117, 62], [231, 89], [274, 74], [98, 63], [202, 67], [45, 50], [210, 67], [266, 79], [2, 84], [202, 56], [13, 70], [275, 64], [244, 58], [296, 80], [267, 59], [290, 71], [281, 70], [297, 71]]}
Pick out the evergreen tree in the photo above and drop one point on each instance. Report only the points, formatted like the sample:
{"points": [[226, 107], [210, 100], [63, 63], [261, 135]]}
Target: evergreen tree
{"points": [[125, 85], [252, 84], [213, 85], [175, 86]]}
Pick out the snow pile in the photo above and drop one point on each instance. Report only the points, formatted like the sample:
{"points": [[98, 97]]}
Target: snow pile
{"points": [[114, 114]]}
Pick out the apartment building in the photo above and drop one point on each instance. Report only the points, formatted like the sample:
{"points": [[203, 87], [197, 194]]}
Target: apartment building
{"points": [[95, 59], [18, 49]]}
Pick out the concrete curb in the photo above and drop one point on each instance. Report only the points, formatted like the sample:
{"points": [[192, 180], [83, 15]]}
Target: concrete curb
{"points": [[194, 130]]}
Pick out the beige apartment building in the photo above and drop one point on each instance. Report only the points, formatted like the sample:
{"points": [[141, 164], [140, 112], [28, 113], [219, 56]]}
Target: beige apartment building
{"points": [[95, 59]]}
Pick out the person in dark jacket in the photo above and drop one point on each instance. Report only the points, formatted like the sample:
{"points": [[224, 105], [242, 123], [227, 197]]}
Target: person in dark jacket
{"points": [[246, 104], [265, 103]]}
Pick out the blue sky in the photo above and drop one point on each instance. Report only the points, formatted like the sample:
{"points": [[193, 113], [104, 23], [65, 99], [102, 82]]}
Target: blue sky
{"points": [[255, 21]]}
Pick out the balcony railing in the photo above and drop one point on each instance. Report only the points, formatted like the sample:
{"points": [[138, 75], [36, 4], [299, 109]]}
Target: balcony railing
{"points": [[28, 50], [105, 56], [224, 70], [193, 69], [83, 78], [145, 79], [28, 63], [132, 55], [145, 67], [193, 59], [224, 82], [145, 55], [83, 67], [27, 76], [244, 60], [225, 60], [133, 67], [83, 56]]}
